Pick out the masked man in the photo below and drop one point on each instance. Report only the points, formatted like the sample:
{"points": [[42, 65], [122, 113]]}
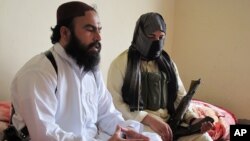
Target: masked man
{"points": [[145, 83]]}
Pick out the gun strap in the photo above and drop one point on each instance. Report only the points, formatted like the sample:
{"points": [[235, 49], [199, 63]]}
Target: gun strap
{"points": [[50, 56]]}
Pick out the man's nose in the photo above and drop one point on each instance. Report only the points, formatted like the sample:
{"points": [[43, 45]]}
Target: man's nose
{"points": [[98, 36], [157, 38]]}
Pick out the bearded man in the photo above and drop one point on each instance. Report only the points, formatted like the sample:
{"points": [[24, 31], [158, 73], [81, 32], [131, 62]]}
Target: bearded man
{"points": [[69, 102]]}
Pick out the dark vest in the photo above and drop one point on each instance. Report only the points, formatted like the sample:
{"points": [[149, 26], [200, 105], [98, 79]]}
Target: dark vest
{"points": [[131, 89], [154, 90]]}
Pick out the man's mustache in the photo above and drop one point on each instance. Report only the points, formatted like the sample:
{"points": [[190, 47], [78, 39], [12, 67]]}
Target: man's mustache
{"points": [[95, 44]]}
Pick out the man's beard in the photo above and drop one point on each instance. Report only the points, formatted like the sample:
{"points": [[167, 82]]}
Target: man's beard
{"points": [[80, 52]]}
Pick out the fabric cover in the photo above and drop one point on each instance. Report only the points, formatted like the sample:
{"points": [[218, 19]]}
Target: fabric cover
{"points": [[222, 118]]}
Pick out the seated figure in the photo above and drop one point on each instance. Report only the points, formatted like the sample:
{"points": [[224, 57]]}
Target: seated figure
{"points": [[145, 83]]}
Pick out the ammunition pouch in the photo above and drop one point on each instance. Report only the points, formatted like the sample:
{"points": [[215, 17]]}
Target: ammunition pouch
{"points": [[154, 90]]}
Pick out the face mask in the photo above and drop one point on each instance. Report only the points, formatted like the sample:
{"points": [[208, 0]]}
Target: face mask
{"points": [[155, 50], [147, 24]]}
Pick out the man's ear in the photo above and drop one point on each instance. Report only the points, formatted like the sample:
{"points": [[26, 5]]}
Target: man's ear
{"points": [[65, 33]]}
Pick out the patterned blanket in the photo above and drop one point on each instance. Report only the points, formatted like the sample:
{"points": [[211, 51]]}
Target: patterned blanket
{"points": [[222, 119]]}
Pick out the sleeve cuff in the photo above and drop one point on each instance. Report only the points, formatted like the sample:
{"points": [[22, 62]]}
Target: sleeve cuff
{"points": [[141, 115]]}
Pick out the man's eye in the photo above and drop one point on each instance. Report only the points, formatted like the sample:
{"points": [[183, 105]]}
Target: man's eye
{"points": [[90, 29], [151, 37]]}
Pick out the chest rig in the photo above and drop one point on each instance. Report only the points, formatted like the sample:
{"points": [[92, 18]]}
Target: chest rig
{"points": [[154, 90]]}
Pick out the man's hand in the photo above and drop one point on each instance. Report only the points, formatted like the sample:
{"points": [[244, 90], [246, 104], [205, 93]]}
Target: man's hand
{"points": [[205, 126], [130, 135], [160, 127]]}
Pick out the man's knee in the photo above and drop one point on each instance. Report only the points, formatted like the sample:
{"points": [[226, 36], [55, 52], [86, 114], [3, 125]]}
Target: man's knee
{"points": [[196, 137]]}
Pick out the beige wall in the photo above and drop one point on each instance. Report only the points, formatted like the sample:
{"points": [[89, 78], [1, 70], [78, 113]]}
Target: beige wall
{"points": [[212, 42], [25, 30]]}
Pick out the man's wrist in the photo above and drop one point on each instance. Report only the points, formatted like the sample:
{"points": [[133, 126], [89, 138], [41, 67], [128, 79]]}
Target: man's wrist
{"points": [[191, 120]]}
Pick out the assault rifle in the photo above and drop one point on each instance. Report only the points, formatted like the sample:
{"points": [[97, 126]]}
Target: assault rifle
{"points": [[176, 119]]}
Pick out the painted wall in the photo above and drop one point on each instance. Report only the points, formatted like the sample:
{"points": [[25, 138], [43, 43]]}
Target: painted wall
{"points": [[211, 42]]}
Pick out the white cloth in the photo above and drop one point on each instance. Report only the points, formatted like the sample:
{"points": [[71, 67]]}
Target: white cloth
{"points": [[80, 110]]}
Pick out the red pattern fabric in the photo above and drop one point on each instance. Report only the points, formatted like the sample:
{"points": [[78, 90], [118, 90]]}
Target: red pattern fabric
{"points": [[222, 118], [5, 111]]}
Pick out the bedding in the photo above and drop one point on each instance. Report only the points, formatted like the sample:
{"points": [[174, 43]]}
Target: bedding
{"points": [[222, 118]]}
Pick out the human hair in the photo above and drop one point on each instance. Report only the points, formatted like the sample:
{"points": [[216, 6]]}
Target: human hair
{"points": [[56, 36]]}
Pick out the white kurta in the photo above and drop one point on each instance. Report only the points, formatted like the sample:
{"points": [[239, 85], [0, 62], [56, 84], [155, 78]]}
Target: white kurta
{"points": [[80, 108]]}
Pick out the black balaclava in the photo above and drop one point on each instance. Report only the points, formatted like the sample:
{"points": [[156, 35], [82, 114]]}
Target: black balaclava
{"points": [[147, 24], [144, 48]]}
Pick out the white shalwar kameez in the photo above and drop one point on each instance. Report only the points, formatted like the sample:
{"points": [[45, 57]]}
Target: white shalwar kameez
{"points": [[81, 109]]}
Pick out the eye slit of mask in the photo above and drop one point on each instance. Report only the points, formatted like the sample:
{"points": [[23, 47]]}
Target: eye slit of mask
{"points": [[153, 37]]}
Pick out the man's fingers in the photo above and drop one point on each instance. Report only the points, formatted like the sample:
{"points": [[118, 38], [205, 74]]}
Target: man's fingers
{"points": [[166, 135], [131, 134], [118, 130], [206, 126]]}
